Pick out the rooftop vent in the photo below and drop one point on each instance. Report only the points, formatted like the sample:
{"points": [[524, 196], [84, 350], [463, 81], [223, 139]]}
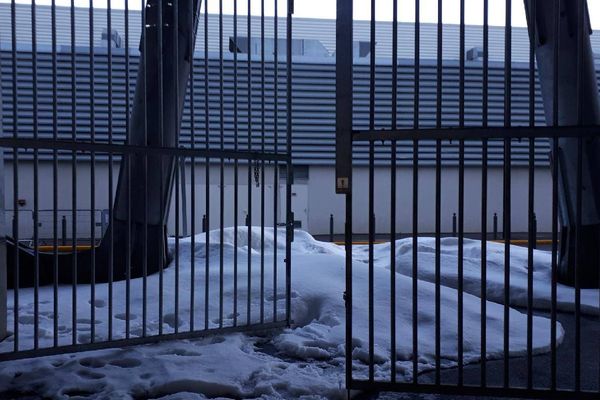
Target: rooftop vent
{"points": [[474, 54], [114, 39], [300, 47]]}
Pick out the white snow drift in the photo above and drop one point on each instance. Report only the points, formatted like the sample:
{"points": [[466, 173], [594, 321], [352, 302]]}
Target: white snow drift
{"points": [[304, 360]]}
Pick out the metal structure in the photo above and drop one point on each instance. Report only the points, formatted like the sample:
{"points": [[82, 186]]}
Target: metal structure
{"points": [[135, 249], [559, 39]]}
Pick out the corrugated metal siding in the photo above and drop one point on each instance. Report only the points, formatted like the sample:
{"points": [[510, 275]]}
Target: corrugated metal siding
{"points": [[313, 90], [313, 103], [303, 28]]}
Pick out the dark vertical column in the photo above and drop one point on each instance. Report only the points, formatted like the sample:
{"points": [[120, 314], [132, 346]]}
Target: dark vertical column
{"points": [[393, 194], [530, 203], [484, 189], [343, 89], [507, 183], [438, 195], [371, 197], [15, 174], [3, 234], [415, 199], [54, 176], [343, 106], [575, 62]]}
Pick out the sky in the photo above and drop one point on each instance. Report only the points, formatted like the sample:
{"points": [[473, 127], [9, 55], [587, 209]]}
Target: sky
{"points": [[383, 11]]}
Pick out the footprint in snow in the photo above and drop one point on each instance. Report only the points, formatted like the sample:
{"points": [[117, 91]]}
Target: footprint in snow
{"points": [[126, 363], [98, 303], [91, 362], [170, 320], [123, 316], [90, 374]]}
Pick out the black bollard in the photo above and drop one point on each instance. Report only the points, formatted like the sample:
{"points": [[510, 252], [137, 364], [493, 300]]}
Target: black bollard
{"points": [[64, 230], [454, 224], [495, 226], [534, 231], [204, 227], [331, 227]]}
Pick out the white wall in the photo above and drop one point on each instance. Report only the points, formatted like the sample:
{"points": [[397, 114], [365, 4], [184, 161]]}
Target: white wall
{"points": [[323, 201], [313, 200]]}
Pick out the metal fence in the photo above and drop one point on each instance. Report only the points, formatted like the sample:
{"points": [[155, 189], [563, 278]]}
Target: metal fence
{"points": [[474, 356], [134, 284]]}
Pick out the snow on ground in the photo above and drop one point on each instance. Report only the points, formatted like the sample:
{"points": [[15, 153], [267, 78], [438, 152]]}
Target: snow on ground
{"points": [[306, 360]]}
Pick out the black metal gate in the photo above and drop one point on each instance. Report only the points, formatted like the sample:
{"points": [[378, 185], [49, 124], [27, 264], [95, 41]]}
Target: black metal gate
{"points": [[156, 113], [459, 135]]}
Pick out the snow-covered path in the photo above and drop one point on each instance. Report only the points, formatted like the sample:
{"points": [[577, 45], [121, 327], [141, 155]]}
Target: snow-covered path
{"points": [[309, 357]]}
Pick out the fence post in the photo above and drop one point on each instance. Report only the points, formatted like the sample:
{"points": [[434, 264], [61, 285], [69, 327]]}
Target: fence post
{"points": [[331, 227], [495, 226], [454, 224], [64, 230]]}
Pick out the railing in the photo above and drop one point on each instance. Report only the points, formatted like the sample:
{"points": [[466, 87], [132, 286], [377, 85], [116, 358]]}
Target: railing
{"points": [[473, 317], [88, 279]]}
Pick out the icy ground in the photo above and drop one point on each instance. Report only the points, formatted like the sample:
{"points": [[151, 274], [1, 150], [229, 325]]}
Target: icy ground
{"points": [[304, 361]]}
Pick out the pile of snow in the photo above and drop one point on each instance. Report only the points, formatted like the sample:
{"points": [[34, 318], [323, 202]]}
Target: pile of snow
{"points": [[304, 360]]}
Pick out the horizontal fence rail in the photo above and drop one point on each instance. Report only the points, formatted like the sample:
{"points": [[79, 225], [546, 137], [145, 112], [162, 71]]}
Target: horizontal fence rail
{"points": [[455, 315], [103, 125]]}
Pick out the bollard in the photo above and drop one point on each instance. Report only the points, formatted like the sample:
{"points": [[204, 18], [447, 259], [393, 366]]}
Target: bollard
{"points": [[64, 230], [331, 227], [495, 226], [204, 223], [248, 220], [454, 224], [534, 231]]}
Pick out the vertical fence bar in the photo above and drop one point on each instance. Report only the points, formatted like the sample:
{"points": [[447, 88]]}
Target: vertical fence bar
{"points": [[110, 174], [262, 161], [438, 194], [193, 165], [36, 271], [461, 193], [581, 4], [92, 116], [289, 172], [128, 166], [111, 242], [54, 175], [161, 127], [371, 195], [15, 121], [221, 166], [507, 182], [178, 161], [415, 197], [275, 148], [249, 194], [73, 180], [206, 168], [144, 61], [530, 212], [235, 166], [484, 188], [393, 197], [555, 160]]}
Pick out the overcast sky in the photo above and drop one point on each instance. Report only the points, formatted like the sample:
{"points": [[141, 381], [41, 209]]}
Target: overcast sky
{"points": [[326, 9]]}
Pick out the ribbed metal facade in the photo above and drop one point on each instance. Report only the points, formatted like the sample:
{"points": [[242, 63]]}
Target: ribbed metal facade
{"points": [[313, 101]]}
